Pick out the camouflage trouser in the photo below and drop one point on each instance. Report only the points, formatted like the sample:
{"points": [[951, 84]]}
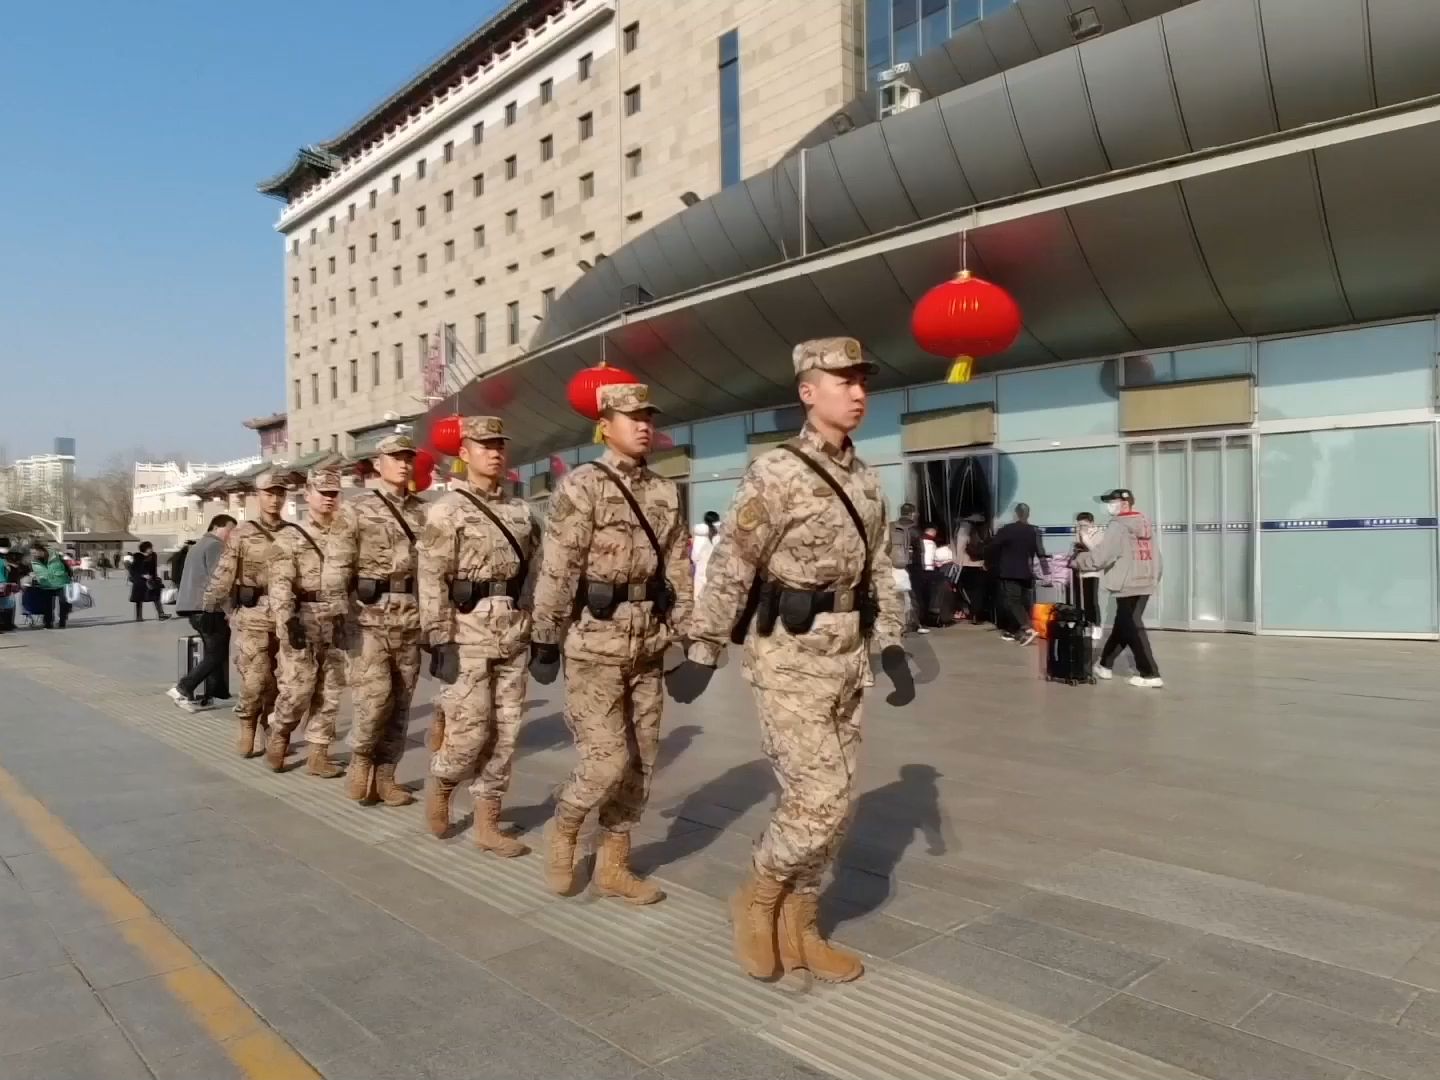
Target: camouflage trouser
{"points": [[482, 717], [310, 681], [255, 652], [384, 665], [613, 712], [812, 739]]}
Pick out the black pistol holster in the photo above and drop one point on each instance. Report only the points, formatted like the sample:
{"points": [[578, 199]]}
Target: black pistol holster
{"points": [[247, 596]]}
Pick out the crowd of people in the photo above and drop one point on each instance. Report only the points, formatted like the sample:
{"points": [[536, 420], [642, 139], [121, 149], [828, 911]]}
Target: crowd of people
{"points": [[37, 586]]}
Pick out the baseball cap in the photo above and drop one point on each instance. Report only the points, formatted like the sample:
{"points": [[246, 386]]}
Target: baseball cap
{"points": [[829, 354], [396, 444], [624, 398], [1116, 493], [481, 428]]}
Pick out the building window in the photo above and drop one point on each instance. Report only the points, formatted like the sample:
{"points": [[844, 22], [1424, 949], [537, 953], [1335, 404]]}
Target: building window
{"points": [[632, 101], [477, 132], [421, 262], [354, 376], [512, 221], [547, 297], [449, 251], [352, 295], [511, 112], [334, 382], [399, 351], [294, 284], [478, 234], [547, 205], [420, 168], [374, 286], [375, 368], [395, 275], [480, 342], [631, 37], [447, 152], [547, 91], [512, 167], [314, 314], [334, 443], [587, 126], [587, 186], [330, 265], [330, 306], [350, 211], [512, 322], [350, 254], [295, 323], [395, 229], [297, 394], [477, 184], [313, 273], [395, 184], [424, 353], [906, 17], [586, 63], [374, 198], [547, 148], [295, 246], [374, 242], [447, 201], [420, 216], [314, 236], [314, 446], [636, 217], [730, 108], [632, 163], [330, 227], [314, 388]]}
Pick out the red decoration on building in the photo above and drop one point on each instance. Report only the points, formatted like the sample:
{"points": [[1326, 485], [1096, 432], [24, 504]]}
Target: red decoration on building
{"points": [[967, 316], [587, 381], [445, 436]]}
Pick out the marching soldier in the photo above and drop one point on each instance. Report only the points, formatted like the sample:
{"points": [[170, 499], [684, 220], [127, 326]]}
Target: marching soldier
{"points": [[475, 551], [311, 671], [802, 563], [372, 559], [241, 579], [615, 557]]}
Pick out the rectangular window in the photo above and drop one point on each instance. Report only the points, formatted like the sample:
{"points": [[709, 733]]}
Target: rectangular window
{"points": [[395, 275], [395, 229], [512, 167], [374, 286], [297, 394], [512, 221], [447, 343], [477, 184], [631, 37], [395, 184], [511, 112], [547, 205], [478, 235], [398, 349], [313, 273], [354, 376], [350, 254], [547, 297], [906, 25], [314, 388], [632, 163], [350, 210], [374, 242], [421, 262], [587, 126], [480, 342], [295, 323], [294, 284], [512, 322], [314, 236], [420, 216], [632, 101], [637, 216], [447, 152], [449, 251], [375, 368], [330, 306], [587, 186], [334, 443], [477, 132], [295, 246], [374, 198], [331, 226], [729, 108], [547, 148], [330, 264], [352, 295], [447, 201], [424, 353], [420, 168], [315, 446], [314, 314], [586, 63], [547, 91], [334, 382]]}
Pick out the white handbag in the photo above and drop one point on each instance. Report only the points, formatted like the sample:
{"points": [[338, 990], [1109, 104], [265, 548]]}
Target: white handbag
{"points": [[78, 596], [168, 596]]}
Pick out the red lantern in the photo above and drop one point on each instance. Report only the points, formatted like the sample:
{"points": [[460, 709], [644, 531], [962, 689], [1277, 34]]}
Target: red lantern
{"points": [[587, 381], [663, 441], [445, 436], [498, 392], [424, 474], [513, 476], [967, 316], [557, 465]]}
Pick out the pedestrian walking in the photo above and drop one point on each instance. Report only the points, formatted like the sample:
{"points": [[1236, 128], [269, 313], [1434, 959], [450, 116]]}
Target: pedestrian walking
{"points": [[144, 575], [476, 550], [1087, 538], [241, 582], [50, 574], [706, 534], [905, 556], [1130, 569], [805, 564], [310, 666], [372, 562], [209, 675], [1013, 553], [614, 550]]}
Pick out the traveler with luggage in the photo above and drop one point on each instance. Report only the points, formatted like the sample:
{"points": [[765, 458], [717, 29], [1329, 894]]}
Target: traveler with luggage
{"points": [[1012, 556], [1087, 538], [210, 673], [1130, 569]]}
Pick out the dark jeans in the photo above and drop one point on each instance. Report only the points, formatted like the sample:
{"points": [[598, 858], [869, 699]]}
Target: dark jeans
{"points": [[214, 667], [1013, 612], [52, 597], [1090, 599], [974, 590], [1129, 633]]}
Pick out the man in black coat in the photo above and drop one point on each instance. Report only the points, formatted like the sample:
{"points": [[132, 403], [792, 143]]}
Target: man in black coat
{"points": [[1011, 556]]}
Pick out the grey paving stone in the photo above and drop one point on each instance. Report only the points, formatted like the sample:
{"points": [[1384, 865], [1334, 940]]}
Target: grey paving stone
{"points": [[738, 1057], [27, 943], [1221, 998], [1424, 1014], [100, 1055], [41, 1007], [155, 1021], [204, 1063], [1210, 1050], [1367, 996], [470, 929], [1075, 954], [1040, 990], [106, 958], [658, 1028], [932, 908], [1112, 924], [1398, 1053], [39, 872], [312, 1025], [573, 983]]}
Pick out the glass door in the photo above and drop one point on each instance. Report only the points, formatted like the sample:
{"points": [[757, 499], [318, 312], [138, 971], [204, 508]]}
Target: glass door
{"points": [[948, 492]]}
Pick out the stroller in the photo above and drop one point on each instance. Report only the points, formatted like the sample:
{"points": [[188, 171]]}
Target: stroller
{"points": [[33, 603]]}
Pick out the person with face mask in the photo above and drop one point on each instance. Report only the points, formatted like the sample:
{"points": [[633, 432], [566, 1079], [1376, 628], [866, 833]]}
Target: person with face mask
{"points": [[1130, 568]]}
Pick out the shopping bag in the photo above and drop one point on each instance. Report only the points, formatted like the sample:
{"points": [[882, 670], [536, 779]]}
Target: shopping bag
{"points": [[78, 596], [167, 596]]}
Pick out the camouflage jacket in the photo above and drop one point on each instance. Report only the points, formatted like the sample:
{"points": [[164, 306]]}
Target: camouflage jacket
{"points": [[788, 525], [459, 543], [591, 532], [367, 542], [296, 567], [245, 561]]}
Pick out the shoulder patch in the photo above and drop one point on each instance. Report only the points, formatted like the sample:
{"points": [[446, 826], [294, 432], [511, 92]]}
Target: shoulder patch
{"points": [[751, 514]]}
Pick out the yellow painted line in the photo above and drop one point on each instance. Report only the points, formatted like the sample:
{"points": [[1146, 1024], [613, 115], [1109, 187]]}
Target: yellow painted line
{"points": [[254, 1047]]}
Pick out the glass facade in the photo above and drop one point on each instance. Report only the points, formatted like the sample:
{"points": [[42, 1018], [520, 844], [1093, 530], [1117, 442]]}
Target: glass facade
{"points": [[730, 170], [900, 30]]}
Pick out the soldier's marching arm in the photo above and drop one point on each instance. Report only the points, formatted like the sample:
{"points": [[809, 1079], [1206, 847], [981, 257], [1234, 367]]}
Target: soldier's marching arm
{"points": [[222, 581], [890, 609], [682, 580], [283, 569], [342, 555], [568, 529], [437, 563]]}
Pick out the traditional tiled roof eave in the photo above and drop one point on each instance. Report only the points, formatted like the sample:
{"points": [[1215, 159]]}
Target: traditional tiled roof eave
{"points": [[261, 423]]}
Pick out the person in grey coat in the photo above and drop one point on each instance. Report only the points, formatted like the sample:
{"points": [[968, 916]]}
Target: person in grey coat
{"points": [[214, 631], [1130, 568]]}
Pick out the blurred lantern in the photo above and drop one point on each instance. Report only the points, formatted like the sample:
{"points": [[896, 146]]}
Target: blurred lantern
{"points": [[583, 387], [445, 435], [965, 318], [513, 476], [663, 441], [557, 465], [498, 392], [457, 468], [424, 474]]}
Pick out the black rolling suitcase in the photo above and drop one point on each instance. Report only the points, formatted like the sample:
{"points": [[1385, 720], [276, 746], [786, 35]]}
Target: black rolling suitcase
{"points": [[189, 650], [1067, 655], [939, 602]]}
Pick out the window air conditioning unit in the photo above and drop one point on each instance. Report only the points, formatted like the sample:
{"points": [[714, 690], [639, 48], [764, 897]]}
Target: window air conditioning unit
{"points": [[896, 95], [1085, 24]]}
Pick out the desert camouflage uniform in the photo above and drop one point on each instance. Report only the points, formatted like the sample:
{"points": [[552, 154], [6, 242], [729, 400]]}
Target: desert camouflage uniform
{"points": [[789, 526], [310, 679], [613, 692]]}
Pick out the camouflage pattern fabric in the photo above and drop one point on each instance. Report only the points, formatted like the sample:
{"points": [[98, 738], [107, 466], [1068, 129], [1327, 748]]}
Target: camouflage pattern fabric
{"points": [[245, 560], [613, 714], [482, 719], [255, 653], [309, 680]]}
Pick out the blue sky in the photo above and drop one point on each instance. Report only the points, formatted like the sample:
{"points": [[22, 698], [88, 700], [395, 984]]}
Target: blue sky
{"points": [[141, 295]]}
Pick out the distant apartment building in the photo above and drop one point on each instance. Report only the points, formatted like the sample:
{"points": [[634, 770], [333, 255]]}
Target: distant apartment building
{"points": [[43, 485]]}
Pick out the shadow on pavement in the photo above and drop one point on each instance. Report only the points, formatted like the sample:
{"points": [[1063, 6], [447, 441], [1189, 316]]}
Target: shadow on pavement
{"points": [[714, 806]]}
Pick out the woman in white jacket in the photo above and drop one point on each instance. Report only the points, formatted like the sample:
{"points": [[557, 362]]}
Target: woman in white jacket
{"points": [[702, 543]]}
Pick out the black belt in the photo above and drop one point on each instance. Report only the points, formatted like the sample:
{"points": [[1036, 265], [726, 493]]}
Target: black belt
{"points": [[405, 586], [826, 601], [305, 596]]}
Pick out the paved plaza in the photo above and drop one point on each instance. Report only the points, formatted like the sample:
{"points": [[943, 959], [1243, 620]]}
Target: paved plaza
{"points": [[1236, 878]]}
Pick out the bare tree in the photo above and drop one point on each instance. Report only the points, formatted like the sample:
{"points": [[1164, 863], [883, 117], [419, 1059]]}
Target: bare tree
{"points": [[104, 501]]}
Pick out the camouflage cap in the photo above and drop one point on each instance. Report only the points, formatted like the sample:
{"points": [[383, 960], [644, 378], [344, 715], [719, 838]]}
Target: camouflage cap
{"points": [[396, 444], [324, 478], [829, 354], [271, 479], [624, 397], [480, 428]]}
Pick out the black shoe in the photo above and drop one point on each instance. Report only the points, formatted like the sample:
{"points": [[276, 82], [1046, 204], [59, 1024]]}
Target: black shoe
{"points": [[163, 617]]}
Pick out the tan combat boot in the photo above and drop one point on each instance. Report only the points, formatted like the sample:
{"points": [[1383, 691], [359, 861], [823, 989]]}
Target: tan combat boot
{"points": [[825, 961], [359, 777], [753, 911], [613, 876], [389, 792], [560, 835], [437, 804], [488, 834], [319, 763], [435, 737], [245, 741], [276, 747]]}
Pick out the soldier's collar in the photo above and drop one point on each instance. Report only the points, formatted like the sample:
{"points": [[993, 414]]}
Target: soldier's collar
{"points": [[624, 464], [487, 494], [842, 455]]}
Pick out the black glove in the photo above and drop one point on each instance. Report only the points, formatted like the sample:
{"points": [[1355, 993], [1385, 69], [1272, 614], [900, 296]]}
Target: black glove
{"points": [[212, 622], [544, 663], [445, 661], [295, 631], [687, 680], [897, 670]]}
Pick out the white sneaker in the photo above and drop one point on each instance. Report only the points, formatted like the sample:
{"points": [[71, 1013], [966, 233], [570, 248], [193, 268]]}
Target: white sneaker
{"points": [[1097, 632], [1103, 672], [923, 630], [175, 695], [194, 706], [1150, 684], [1027, 637], [1009, 639]]}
